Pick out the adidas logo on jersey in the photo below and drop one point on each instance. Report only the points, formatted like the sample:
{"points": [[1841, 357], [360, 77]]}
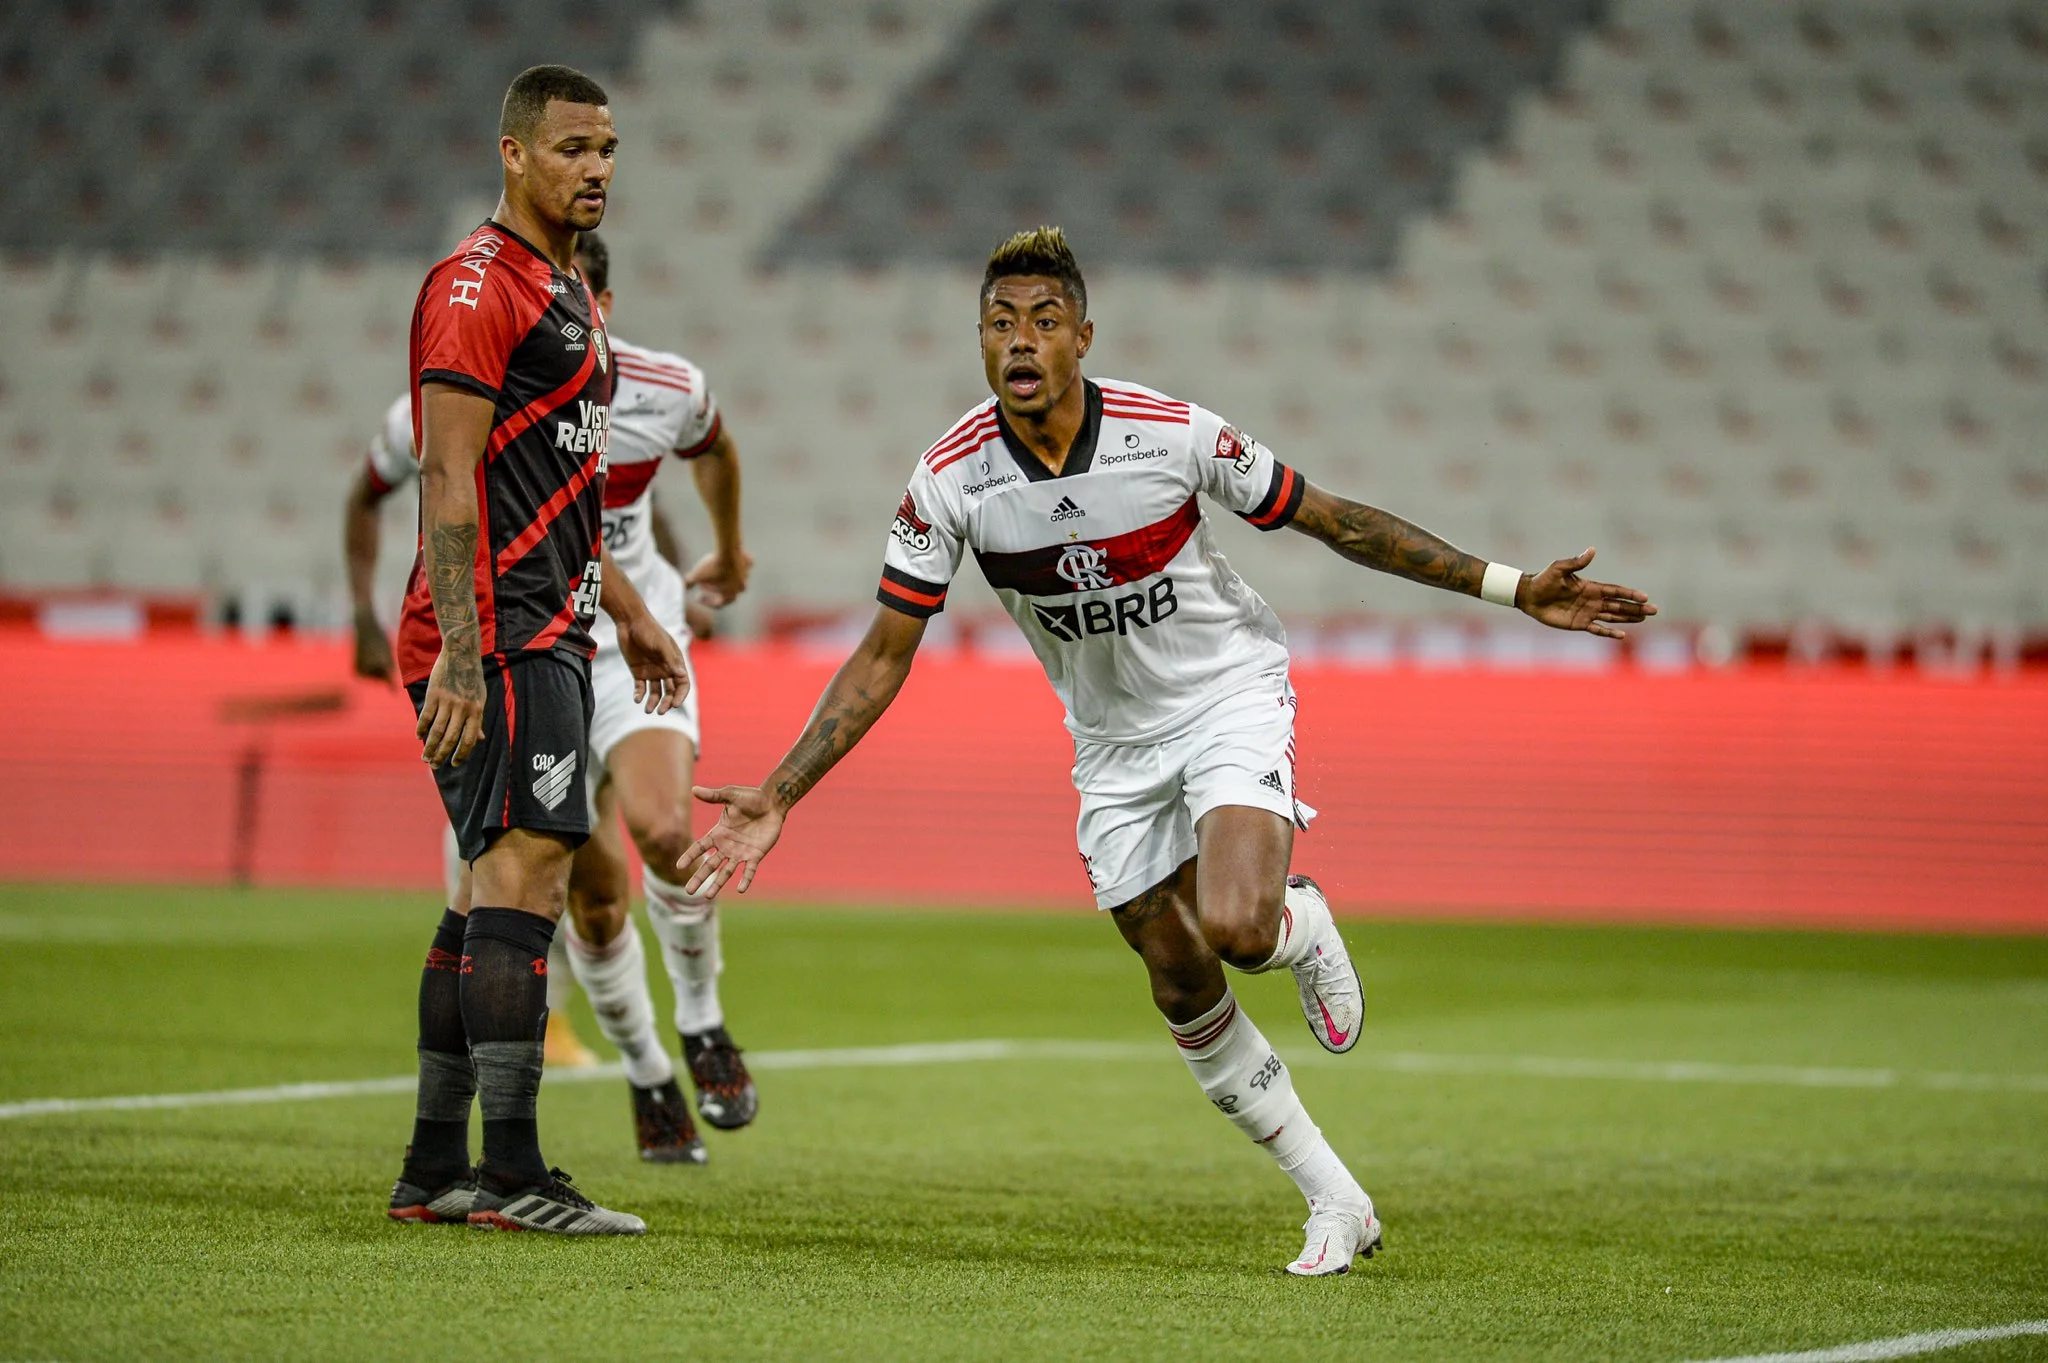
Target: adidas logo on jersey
{"points": [[1271, 781], [551, 787], [1067, 511]]}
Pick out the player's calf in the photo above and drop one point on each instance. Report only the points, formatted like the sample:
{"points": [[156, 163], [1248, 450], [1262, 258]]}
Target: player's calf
{"points": [[687, 926]]}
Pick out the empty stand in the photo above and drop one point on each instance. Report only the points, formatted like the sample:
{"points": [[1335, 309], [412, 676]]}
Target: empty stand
{"points": [[1749, 293]]}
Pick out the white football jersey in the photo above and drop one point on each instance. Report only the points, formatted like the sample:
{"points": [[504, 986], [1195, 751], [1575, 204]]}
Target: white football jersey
{"points": [[1108, 567], [661, 405]]}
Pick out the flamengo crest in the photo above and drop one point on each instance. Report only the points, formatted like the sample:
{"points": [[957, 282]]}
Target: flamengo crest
{"points": [[1084, 567]]}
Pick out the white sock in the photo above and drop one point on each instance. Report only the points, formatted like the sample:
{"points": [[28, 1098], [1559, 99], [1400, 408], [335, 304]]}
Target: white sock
{"points": [[687, 927], [1304, 918], [561, 971], [1250, 1085], [615, 977]]}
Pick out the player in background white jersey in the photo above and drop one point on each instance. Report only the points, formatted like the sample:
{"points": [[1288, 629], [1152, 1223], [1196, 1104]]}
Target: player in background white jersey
{"points": [[1080, 502], [639, 765]]}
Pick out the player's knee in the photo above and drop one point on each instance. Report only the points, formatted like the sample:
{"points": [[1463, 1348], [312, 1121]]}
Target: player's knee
{"points": [[662, 839], [1244, 927], [599, 916]]}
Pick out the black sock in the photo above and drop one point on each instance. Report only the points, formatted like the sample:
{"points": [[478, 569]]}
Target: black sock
{"points": [[440, 1128], [505, 1013]]}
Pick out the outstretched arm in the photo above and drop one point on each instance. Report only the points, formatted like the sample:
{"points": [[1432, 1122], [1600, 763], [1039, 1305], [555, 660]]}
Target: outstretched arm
{"points": [[1557, 596], [752, 820], [360, 534]]}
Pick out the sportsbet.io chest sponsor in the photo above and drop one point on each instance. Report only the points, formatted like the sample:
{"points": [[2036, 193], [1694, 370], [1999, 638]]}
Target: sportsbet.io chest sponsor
{"points": [[1134, 450]]}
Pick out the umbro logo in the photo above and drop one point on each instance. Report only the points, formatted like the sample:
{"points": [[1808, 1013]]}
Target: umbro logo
{"points": [[572, 332], [1271, 781], [1067, 511], [551, 787]]}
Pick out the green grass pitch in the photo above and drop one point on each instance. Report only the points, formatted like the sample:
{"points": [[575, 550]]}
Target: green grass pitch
{"points": [[1047, 1207]]}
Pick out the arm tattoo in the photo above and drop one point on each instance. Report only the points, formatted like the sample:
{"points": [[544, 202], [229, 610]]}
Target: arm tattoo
{"points": [[1379, 539], [451, 581], [844, 716]]}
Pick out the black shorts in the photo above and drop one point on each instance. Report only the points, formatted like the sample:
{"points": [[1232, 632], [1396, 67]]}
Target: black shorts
{"points": [[527, 769]]}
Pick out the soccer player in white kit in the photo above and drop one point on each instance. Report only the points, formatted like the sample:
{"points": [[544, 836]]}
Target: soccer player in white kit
{"points": [[638, 763], [1081, 503]]}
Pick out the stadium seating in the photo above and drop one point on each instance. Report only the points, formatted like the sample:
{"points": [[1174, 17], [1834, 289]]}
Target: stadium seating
{"points": [[1749, 294]]}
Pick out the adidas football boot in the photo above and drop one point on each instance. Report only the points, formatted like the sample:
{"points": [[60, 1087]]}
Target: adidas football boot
{"points": [[554, 1206], [444, 1202]]}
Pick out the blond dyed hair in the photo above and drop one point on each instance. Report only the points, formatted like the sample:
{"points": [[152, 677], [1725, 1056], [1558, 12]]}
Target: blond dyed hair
{"points": [[1039, 251]]}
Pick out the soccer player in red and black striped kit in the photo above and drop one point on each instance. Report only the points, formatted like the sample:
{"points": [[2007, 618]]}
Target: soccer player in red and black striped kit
{"points": [[512, 384]]}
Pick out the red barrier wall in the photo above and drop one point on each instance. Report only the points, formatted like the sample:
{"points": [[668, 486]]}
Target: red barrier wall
{"points": [[1832, 797]]}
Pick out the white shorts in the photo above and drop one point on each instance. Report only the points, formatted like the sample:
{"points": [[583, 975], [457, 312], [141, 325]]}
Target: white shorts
{"points": [[1140, 802], [615, 714]]}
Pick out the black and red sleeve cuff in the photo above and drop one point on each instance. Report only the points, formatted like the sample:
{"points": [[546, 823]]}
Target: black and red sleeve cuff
{"points": [[457, 379], [710, 438], [1282, 499], [911, 595]]}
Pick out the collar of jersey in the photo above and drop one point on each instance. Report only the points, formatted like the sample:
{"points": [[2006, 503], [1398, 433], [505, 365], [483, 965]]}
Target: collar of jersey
{"points": [[1080, 456], [502, 230]]}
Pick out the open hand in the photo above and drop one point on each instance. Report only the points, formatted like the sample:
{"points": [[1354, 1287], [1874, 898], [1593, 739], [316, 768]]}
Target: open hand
{"points": [[660, 677], [1561, 599], [746, 831]]}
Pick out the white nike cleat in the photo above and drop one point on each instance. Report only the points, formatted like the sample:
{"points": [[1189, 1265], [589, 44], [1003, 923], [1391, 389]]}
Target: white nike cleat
{"points": [[1332, 999], [1337, 1234]]}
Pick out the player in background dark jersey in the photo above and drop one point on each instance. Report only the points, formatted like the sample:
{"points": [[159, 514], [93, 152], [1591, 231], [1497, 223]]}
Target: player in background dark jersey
{"points": [[641, 764], [512, 397]]}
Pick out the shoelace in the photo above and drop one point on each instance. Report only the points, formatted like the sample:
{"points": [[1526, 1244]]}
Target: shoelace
{"points": [[563, 1189]]}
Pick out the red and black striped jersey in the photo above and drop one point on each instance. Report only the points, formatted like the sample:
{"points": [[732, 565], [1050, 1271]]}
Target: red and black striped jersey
{"points": [[498, 319]]}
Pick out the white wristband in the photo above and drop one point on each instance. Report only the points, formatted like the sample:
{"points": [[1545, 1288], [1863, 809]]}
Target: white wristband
{"points": [[1499, 584]]}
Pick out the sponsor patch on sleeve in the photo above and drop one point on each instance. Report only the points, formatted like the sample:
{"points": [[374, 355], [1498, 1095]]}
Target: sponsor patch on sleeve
{"points": [[1239, 448]]}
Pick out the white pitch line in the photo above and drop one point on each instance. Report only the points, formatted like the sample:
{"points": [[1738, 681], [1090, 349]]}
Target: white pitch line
{"points": [[1901, 1346], [969, 1052], [844, 1057]]}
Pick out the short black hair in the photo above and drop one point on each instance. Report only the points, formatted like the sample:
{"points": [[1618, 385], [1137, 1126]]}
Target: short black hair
{"points": [[594, 258], [1041, 251], [527, 98]]}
